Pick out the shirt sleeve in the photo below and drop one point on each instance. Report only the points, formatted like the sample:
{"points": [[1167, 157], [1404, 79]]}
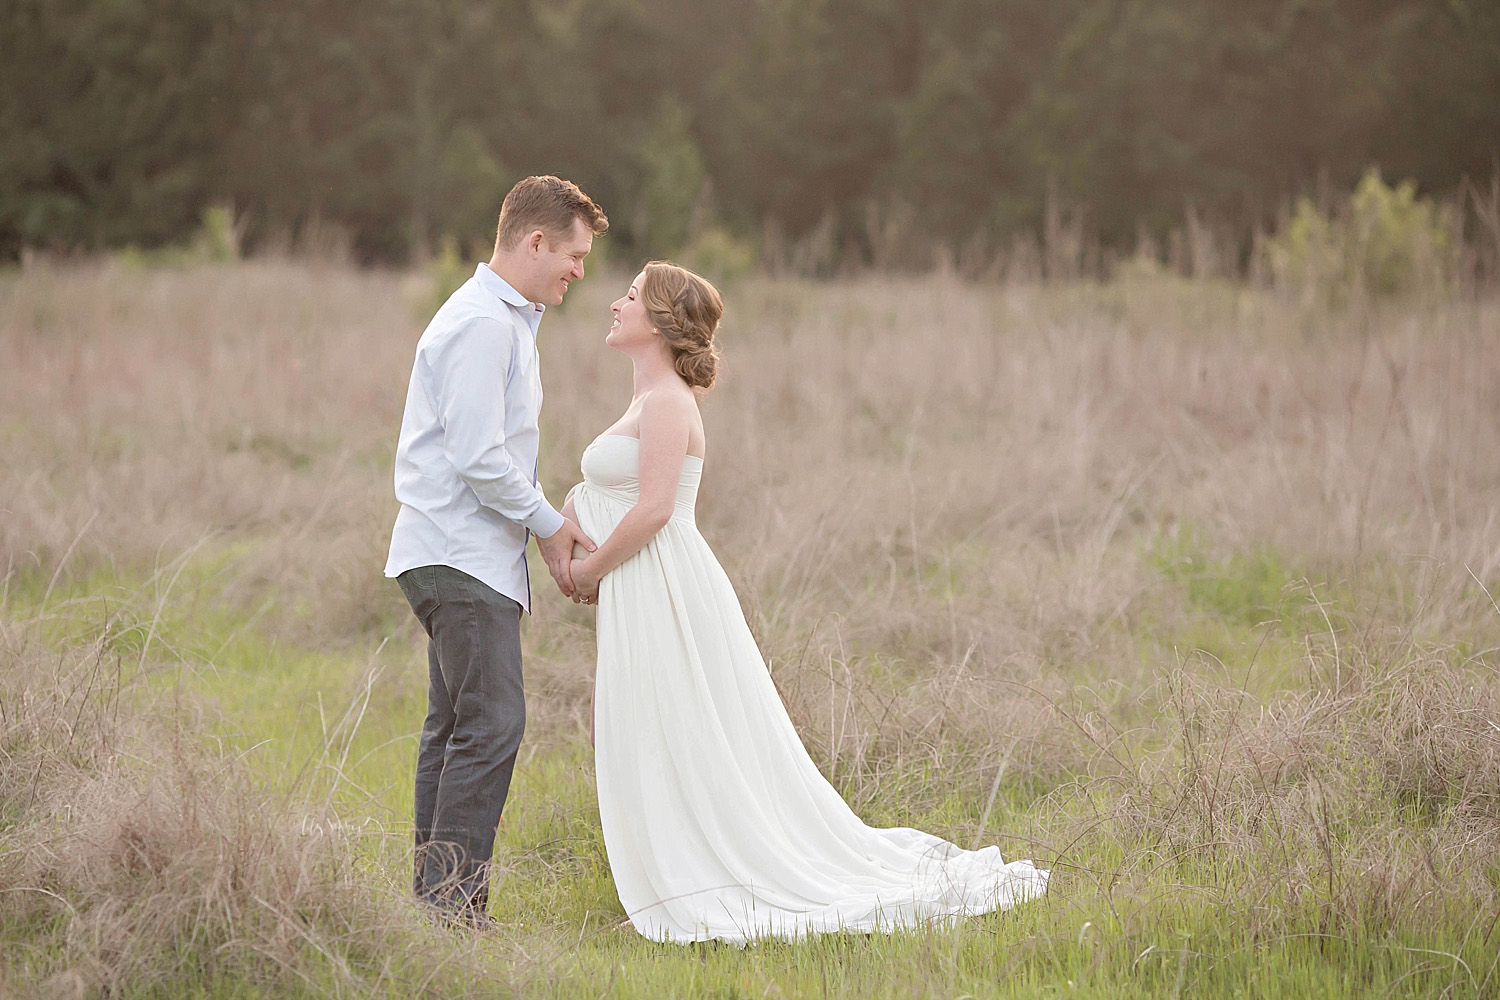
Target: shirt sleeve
{"points": [[470, 372]]}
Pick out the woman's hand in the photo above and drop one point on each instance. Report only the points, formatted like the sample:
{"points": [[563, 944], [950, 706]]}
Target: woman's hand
{"points": [[580, 554], [585, 580]]}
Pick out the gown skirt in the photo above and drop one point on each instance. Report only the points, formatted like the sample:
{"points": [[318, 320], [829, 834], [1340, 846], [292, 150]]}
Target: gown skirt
{"points": [[717, 824]]}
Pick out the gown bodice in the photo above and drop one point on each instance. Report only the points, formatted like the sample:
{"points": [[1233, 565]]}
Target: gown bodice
{"points": [[612, 466]]}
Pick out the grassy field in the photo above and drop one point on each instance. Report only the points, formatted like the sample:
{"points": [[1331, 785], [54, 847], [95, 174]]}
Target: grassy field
{"points": [[1181, 589]]}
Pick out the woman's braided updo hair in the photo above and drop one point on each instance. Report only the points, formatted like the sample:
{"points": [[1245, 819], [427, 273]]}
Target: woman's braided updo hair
{"points": [[685, 309]]}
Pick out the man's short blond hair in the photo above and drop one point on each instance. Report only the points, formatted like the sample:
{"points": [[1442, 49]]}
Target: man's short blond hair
{"points": [[547, 203]]}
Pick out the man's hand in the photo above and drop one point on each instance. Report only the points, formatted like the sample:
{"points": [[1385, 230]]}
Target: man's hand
{"points": [[557, 550]]}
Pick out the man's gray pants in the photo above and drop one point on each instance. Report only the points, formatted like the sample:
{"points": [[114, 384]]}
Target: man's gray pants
{"points": [[476, 712]]}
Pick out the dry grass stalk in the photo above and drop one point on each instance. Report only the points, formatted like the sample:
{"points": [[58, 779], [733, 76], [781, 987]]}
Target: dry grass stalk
{"points": [[951, 512]]}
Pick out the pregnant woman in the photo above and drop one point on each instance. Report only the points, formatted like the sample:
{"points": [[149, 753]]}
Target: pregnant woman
{"points": [[717, 823]]}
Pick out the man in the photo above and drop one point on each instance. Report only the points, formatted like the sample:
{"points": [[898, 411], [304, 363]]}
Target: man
{"points": [[466, 479]]}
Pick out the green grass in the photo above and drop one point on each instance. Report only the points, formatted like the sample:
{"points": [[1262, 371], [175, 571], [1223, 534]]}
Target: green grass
{"points": [[1249, 614], [1147, 917]]}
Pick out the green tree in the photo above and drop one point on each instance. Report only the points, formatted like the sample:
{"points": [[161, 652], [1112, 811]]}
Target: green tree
{"points": [[112, 117]]}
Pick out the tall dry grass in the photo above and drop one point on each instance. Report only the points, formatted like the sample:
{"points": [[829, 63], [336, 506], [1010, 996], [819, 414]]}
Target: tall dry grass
{"points": [[1194, 582], [139, 859]]}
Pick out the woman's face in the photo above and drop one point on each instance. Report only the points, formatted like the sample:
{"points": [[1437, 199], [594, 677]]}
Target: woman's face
{"points": [[632, 327]]}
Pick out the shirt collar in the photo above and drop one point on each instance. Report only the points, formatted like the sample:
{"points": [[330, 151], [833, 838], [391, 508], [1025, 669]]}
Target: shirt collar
{"points": [[502, 290]]}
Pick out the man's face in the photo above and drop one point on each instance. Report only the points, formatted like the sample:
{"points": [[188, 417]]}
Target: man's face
{"points": [[559, 263]]}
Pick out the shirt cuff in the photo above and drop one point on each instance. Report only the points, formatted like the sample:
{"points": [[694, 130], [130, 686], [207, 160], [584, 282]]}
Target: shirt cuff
{"points": [[545, 522]]}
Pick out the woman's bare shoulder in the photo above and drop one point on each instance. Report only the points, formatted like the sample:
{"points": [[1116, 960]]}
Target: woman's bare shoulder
{"points": [[673, 411], [671, 398]]}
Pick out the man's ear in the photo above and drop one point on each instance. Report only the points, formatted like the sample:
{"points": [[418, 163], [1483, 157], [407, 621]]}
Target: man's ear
{"points": [[534, 242]]}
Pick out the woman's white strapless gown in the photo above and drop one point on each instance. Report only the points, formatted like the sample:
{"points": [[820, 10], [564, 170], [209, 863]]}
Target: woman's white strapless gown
{"points": [[717, 823]]}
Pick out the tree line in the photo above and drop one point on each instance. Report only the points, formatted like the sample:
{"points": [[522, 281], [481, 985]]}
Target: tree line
{"points": [[865, 124]]}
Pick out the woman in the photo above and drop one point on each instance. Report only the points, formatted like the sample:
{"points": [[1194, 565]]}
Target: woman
{"points": [[716, 822]]}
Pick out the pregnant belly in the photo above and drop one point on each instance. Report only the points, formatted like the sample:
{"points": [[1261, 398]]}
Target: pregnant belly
{"points": [[598, 513]]}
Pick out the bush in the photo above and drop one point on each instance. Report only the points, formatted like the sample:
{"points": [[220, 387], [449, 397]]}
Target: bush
{"points": [[1384, 241], [218, 236], [446, 272], [718, 255], [217, 241]]}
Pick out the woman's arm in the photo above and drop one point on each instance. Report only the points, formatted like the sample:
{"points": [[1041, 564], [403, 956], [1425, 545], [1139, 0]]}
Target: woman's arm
{"points": [[665, 423]]}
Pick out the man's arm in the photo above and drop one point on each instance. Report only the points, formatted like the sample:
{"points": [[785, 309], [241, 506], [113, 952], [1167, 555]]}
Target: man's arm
{"points": [[470, 371]]}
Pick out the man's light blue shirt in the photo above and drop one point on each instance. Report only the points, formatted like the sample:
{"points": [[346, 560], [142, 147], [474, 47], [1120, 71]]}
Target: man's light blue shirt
{"points": [[467, 456]]}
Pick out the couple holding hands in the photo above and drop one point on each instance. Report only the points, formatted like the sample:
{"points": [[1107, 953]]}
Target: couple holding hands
{"points": [[717, 824]]}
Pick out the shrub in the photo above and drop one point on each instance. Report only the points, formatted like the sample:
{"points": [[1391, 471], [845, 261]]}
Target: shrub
{"points": [[1383, 241], [719, 255], [446, 272]]}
